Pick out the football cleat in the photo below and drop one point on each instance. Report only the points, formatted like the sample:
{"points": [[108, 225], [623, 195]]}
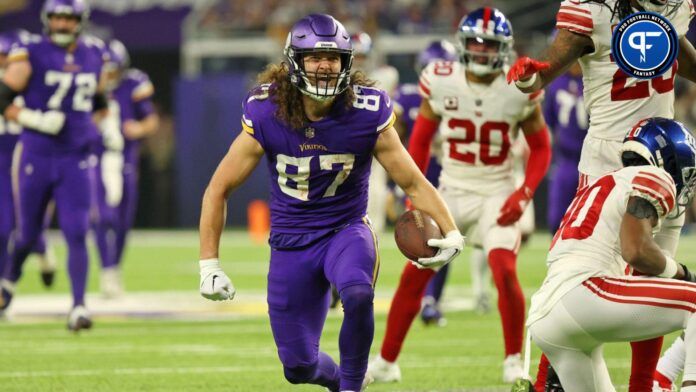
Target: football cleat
{"points": [[366, 381], [431, 314], [110, 282], [512, 369], [79, 318], [6, 293], [383, 371], [47, 267], [553, 384]]}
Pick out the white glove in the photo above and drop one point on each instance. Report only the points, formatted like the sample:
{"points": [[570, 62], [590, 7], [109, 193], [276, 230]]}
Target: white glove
{"points": [[450, 246], [215, 285], [50, 122], [112, 177]]}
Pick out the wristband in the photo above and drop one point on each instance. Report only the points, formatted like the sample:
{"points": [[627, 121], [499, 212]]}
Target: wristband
{"points": [[526, 83], [671, 268], [207, 263]]}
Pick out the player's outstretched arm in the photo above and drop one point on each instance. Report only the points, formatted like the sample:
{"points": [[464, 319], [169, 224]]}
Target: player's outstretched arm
{"points": [[532, 75], [639, 249], [686, 59], [235, 167], [395, 159], [536, 134]]}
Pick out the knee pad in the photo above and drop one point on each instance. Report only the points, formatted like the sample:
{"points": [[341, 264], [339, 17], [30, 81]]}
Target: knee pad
{"points": [[357, 298], [299, 374]]}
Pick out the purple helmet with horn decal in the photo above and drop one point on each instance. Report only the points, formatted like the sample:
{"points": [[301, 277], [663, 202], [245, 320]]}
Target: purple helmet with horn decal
{"points": [[317, 33]]}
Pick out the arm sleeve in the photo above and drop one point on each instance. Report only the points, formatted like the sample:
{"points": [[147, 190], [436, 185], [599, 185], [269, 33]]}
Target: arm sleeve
{"points": [[575, 16], [657, 187], [539, 158], [419, 145]]}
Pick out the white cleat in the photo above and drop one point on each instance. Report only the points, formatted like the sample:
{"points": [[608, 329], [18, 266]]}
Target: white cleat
{"points": [[657, 388], [383, 371], [110, 282], [366, 381], [79, 318], [512, 369]]}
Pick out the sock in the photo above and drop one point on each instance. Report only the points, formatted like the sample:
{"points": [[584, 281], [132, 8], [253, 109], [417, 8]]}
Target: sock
{"points": [[404, 308], [437, 284], [78, 263], [543, 371], [357, 332], [510, 298], [672, 362], [644, 356]]}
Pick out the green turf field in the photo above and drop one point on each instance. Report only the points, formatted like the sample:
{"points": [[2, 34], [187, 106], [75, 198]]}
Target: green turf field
{"points": [[229, 347]]}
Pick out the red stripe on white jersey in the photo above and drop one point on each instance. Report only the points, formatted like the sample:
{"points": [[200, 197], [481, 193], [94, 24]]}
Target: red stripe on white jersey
{"points": [[574, 28], [665, 180], [640, 292], [425, 91], [648, 185], [574, 19]]}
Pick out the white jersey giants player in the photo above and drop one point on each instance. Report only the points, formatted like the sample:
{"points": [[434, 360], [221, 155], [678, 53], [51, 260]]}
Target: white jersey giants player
{"points": [[586, 298], [477, 115], [613, 100]]}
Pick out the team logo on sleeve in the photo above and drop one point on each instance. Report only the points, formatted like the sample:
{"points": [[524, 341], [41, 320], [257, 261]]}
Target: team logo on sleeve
{"points": [[644, 45]]}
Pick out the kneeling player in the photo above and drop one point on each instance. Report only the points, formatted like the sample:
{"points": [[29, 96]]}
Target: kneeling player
{"points": [[587, 299]]}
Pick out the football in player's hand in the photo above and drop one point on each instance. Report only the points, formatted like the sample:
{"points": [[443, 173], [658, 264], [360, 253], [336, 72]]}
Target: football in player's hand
{"points": [[412, 231]]}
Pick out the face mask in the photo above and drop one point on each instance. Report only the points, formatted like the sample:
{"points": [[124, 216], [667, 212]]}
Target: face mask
{"points": [[62, 39]]}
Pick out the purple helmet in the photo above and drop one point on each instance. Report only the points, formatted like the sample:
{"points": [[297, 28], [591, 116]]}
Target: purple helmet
{"points": [[437, 50], [486, 26], [76, 8], [119, 54], [317, 33], [362, 43]]}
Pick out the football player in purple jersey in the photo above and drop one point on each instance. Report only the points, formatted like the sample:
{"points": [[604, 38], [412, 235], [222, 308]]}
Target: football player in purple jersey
{"points": [[59, 76], [564, 110], [131, 118], [9, 134], [318, 126]]}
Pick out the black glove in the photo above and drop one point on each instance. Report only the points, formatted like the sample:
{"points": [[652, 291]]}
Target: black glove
{"points": [[688, 275]]}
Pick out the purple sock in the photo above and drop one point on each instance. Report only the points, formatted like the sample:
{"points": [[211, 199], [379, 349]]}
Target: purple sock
{"points": [[356, 335], [78, 263], [104, 237]]}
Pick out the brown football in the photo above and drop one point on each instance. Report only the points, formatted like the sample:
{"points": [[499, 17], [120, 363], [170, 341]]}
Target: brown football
{"points": [[412, 231]]}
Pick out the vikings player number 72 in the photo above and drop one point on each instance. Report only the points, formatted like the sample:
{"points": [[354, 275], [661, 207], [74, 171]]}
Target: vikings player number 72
{"points": [[301, 178], [82, 99]]}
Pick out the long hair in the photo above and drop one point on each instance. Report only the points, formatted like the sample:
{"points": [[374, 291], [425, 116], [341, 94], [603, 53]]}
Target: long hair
{"points": [[621, 9], [288, 98]]}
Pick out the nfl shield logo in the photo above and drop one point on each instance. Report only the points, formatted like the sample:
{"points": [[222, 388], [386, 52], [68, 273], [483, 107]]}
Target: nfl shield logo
{"points": [[309, 132], [451, 103]]}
